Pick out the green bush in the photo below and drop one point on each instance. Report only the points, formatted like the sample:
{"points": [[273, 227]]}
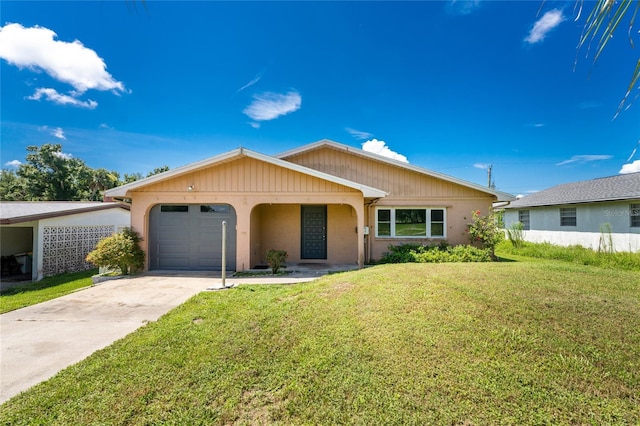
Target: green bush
{"points": [[485, 230], [276, 259], [418, 253], [119, 251]]}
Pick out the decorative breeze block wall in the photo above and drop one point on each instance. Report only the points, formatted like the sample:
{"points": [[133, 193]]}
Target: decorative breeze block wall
{"points": [[66, 247]]}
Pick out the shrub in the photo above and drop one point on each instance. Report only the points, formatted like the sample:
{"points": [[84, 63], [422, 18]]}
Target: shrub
{"points": [[515, 234], [418, 253], [276, 259], [119, 251], [485, 230]]}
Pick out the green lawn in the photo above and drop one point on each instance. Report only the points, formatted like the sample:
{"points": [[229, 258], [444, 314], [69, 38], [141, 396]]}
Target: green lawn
{"points": [[43, 290], [475, 344]]}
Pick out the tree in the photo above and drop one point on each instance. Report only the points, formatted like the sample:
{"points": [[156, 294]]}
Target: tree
{"points": [[101, 180], [12, 187], [52, 175], [158, 170]]}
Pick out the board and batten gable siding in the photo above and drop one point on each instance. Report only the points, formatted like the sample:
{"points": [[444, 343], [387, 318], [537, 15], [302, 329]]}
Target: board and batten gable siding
{"points": [[247, 175], [397, 181]]}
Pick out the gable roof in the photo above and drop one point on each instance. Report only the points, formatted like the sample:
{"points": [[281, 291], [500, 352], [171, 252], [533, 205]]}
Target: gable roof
{"points": [[613, 188], [121, 191], [501, 196], [27, 211]]}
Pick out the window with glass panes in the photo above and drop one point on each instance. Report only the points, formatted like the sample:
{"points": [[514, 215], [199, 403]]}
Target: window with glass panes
{"points": [[410, 222]]}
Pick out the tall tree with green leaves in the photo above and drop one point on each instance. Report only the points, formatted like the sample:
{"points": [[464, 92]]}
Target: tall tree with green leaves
{"points": [[53, 175]]}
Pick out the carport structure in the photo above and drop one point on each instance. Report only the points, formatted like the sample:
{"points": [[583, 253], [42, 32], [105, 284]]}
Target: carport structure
{"points": [[274, 204]]}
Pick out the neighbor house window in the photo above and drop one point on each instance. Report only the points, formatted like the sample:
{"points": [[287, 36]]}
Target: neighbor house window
{"points": [[634, 214], [410, 222], [568, 216], [523, 218]]}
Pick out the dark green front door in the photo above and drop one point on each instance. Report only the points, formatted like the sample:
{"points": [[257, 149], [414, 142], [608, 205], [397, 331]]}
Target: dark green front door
{"points": [[314, 232]]}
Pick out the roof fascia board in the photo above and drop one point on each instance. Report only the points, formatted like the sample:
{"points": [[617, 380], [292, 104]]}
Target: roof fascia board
{"points": [[573, 202], [502, 196], [40, 216]]}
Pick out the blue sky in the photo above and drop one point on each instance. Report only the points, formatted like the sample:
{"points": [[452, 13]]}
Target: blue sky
{"points": [[452, 86]]}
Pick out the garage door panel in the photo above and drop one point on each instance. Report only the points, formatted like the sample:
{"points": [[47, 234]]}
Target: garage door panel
{"points": [[190, 237], [168, 262]]}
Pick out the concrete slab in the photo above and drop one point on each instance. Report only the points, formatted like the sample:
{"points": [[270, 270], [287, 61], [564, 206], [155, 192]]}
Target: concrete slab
{"points": [[38, 341]]}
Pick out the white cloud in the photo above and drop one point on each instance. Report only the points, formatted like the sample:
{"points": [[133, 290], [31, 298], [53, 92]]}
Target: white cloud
{"points": [[254, 124], [630, 168], [462, 7], [251, 83], [13, 163], [269, 105], [72, 63], [380, 147], [541, 28], [58, 133], [105, 126], [584, 159], [359, 134], [61, 99], [63, 155], [482, 166]]}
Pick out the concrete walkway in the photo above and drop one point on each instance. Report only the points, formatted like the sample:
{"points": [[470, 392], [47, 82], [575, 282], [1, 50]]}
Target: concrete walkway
{"points": [[38, 341]]}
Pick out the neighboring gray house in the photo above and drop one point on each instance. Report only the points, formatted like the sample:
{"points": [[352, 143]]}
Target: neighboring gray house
{"points": [[51, 237], [575, 213]]}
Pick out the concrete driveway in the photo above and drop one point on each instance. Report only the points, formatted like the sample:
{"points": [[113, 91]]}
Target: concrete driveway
{"points": [[38, 341]]}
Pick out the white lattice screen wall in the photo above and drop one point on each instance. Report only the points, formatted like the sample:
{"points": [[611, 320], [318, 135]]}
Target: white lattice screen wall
{"points": [[66, 247]]}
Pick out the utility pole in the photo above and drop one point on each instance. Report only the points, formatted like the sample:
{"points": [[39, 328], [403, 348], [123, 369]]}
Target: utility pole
{"points": [[489, 175]]}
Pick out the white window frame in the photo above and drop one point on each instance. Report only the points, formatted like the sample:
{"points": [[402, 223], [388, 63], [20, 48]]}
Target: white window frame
{"points": [[412, 237]]}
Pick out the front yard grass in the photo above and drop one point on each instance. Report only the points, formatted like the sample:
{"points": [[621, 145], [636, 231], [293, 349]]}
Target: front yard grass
{"points": [[46, 289], [491, 343]]}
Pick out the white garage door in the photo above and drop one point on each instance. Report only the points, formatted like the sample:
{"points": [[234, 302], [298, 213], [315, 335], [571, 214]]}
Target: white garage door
{"points": [[189, 237]]}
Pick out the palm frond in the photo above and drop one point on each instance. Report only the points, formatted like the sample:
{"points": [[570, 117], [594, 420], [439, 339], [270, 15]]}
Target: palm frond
{"points": [[601, 24]]}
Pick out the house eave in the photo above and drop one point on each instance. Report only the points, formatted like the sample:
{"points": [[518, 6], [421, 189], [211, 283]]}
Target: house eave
{"points": [[49, 215], [574, 202]]}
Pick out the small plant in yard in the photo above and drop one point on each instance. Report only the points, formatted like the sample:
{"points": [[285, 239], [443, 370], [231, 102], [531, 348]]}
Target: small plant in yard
{"points": [[605, 244], [119, 251], [514, 233], [485, 230], [276, 259]]}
